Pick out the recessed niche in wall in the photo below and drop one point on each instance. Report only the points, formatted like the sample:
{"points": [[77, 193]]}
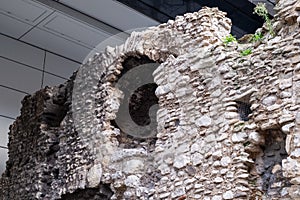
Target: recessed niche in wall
{"points": [[267, 172], [244, 110], [136, 117], [104, 192], [55, 108]]}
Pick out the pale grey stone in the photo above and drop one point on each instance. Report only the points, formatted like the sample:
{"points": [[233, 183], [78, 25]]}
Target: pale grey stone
{"points": [[296, 153], [164, 195], [286, 128], [94, 176], [223, 69], [228, 195], [285, 83], [239, 137], [284, 191], [270, 100], [217, 197], [164, 89], [222, 137], [296, 140], [231, 115], [243, 188], [225, 161], [297, 117], [178, 192], [164, 169], [217, 154], [204, 121], [218, 180], [256, 138], [288, 143], [286, 118], [128, 195], [285, 94], [181, 161], [216, 93], [197, 158], [210, 138], [132, 181], [195, 147], [133, 166], [216, 164]]}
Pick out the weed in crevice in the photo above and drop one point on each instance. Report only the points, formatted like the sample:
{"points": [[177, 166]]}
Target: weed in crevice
{"points": [[257, 37], [262, 11], [229, 39], [246, 52]]}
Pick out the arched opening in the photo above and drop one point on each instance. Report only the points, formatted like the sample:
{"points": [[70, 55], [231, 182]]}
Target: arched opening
{"points": [[103, 193], [135, 115]]}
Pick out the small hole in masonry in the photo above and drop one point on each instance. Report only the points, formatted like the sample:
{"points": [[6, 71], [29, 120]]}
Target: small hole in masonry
{"points": [[244, 110]]}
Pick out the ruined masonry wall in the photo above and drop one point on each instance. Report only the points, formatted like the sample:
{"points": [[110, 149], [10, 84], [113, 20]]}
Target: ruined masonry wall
{"points": [[228, 125]]}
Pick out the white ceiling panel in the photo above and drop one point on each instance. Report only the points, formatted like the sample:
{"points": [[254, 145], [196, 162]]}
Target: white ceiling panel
{"points": [[113, 13], [24, 10], [56, 44], [3, 159], [4, 129], [73, 30], [10, 102], [59, 65], [50, 80], [13, 27], [19, 76], [21, 52]]}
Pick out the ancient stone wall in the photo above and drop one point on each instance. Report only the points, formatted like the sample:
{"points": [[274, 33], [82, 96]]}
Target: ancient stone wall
{"points": [[227, 125]]}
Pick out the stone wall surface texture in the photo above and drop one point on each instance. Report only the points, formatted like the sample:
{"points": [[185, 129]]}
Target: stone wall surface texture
{"points": [[228, 126]]}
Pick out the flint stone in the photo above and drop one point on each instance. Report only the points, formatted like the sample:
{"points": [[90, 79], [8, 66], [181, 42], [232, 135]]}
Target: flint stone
{"points": [[228, 195], [132, 181], [94, 176], [239, 137], [225, 161], [270, 100], [204, 121], [181, 161]]}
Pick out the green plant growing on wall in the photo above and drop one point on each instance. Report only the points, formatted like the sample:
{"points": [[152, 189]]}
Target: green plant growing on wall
{"points": [[262, 11], [229, 39], [257, 37], [246, 52]]}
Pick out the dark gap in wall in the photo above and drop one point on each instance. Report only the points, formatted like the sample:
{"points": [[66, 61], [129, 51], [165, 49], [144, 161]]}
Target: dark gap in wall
{"points": [[55, 173], [139, 102], [177, 122], [55, 107], [134, 61], [266, 173], [273, 154], [244, 110], [102, 193]]}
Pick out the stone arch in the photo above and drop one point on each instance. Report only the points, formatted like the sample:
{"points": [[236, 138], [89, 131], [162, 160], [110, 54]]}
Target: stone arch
{"points": [[97, 91]]}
